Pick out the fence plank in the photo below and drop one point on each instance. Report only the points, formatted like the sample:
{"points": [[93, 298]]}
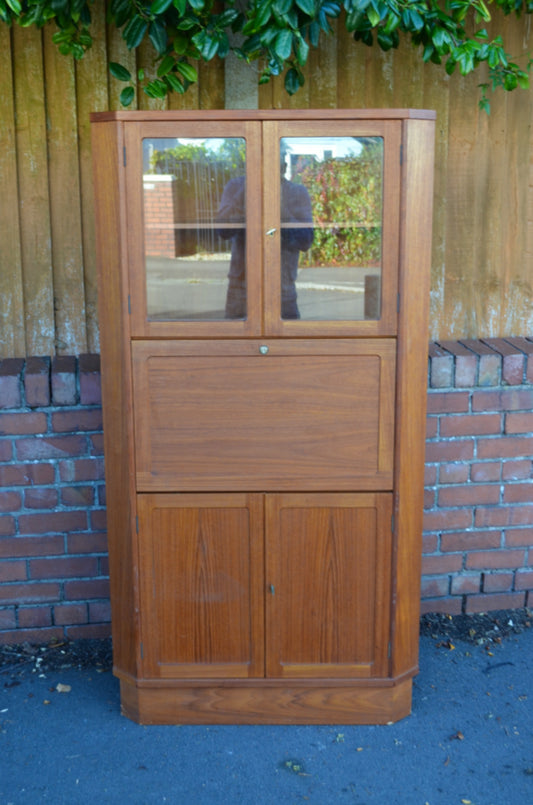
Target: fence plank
{"points": [[517, 311], [12, 334], [64, 189], [32, 164], [92, 96], [211, 84]]}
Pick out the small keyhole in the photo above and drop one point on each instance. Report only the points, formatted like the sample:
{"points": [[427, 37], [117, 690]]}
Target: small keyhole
{"points": [[263, 349]]}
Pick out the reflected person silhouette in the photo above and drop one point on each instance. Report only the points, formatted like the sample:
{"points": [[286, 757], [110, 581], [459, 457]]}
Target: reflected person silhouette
{"points": [[295, 208]]}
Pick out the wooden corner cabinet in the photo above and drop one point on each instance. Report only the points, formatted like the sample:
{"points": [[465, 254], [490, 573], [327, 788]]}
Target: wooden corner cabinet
{"points": [[263, 287]]}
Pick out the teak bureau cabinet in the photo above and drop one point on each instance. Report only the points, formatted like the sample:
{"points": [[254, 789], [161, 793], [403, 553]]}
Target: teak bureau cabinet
{"points": [[264, 283]]}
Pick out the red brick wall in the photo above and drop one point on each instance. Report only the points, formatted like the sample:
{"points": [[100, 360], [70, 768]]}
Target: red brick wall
{"points": [[160, 215], [478, 529], [53, 542], [478, 525]]}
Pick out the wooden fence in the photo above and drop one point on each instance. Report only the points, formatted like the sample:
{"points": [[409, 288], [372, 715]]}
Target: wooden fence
{"points": [[483, 221]]}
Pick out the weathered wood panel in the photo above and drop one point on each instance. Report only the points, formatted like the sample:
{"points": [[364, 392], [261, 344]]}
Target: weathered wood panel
{"points": [[32, 170], [483, 214], [65, 207], [12, 338]]}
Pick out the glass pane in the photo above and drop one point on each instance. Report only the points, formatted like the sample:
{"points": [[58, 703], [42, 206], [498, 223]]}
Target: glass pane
{"points": [[194, 228], [331, 227]]}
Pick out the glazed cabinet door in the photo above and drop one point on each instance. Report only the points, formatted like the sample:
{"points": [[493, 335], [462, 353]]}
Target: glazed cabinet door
{"points": [[328, 580], [262, 227], [331, 227], [194, 228], [201, 585]]}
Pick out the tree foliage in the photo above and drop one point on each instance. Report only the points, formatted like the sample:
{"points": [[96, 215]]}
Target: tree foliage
{"points": [[278, 34]]}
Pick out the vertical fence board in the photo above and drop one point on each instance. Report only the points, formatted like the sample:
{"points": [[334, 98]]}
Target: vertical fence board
{"points": [[12, 331], [456, 303], [322, 73], [211, 84], [437, 97], [64, 189], [118, 52], [517, 311], [146, 62], [92, 96], [350, 76], [33, 188]]}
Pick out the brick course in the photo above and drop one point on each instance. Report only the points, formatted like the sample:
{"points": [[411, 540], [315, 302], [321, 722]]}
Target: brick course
{"points": [[53, 543], [478, 522], [479, 475]]}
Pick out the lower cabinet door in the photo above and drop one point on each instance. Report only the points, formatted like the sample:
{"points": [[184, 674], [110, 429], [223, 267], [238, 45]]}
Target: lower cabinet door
{"points": [[328, 580], [201, 585], [236, 586]]}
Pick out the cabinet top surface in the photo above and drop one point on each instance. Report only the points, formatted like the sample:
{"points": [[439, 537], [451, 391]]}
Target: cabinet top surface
{"points": [[264, 114]]}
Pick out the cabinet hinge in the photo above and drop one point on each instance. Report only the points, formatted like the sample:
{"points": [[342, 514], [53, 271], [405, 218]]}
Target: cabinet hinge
{"points": [[401, 154], [129, 304], [142, 651], [389, 651], [392, 523], [124, 155], [137, 524], [397, 303]]}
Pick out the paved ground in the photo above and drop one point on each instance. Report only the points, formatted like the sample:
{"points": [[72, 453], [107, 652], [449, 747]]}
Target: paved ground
{"points": [[469, 740]]}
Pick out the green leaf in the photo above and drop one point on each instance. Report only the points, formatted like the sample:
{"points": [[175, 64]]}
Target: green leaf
{"points": [[281, 7], [159, 6], [227, 17], [186, 23], [374, 17], [198, 5], [180, 44], [417, 23], [510, 81], [282, 44], [293, 81], [307, 6], [127, 95], [180, 6], [354, 20], [385, 41], [158, 36], [314, 34], [134, 32], [262, 17], [15, 6], [166, 65], [156, 89], [120, 11], [208, 46], [302, 51], [187, 71], [119, 72], [451, 64], [174, 83]]}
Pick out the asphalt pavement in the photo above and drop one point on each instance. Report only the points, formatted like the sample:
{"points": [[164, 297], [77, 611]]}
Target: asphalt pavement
{"points": [[469, 741]]}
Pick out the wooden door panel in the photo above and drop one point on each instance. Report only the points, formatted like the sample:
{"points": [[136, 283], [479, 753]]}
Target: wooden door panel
{"points": [[202, 585], [303, 416], [328, 576]]}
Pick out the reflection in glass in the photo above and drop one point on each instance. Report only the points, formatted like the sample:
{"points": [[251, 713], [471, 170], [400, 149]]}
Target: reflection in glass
{"points": [[188, 250], [335, 273]]}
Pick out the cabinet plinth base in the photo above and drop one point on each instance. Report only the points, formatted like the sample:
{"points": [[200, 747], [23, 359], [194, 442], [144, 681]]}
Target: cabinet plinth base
{"points": [[289, 704]]}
